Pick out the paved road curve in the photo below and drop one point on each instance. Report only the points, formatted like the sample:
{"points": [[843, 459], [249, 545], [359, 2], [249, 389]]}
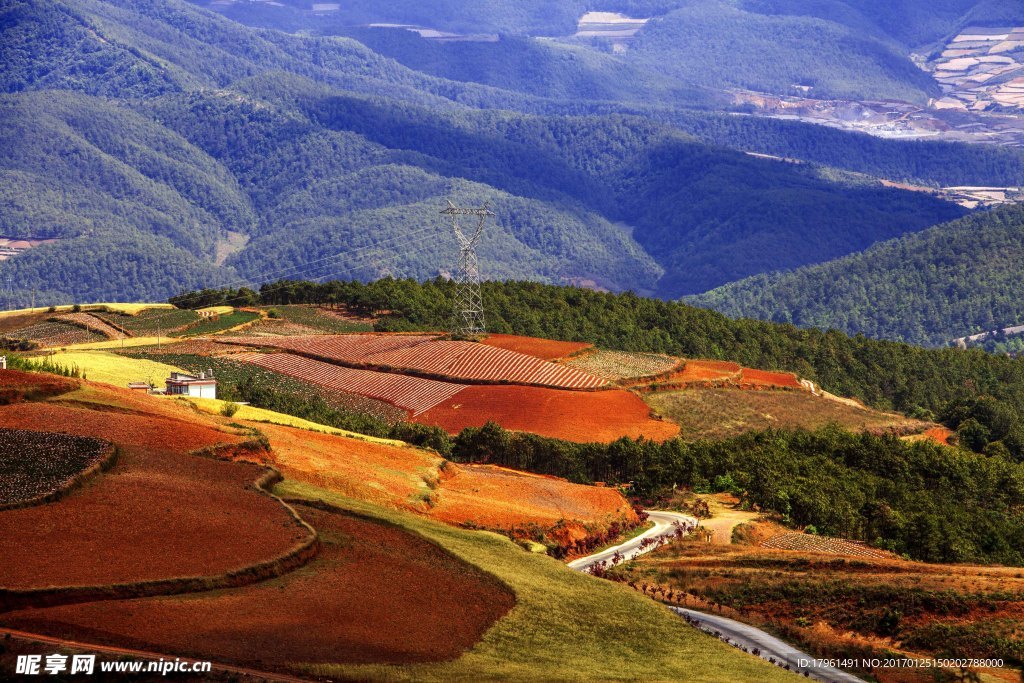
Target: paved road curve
{"points": [[739, 634], [664, 524]]}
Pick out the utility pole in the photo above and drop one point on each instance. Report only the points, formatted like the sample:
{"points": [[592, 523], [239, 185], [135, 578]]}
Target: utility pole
{"points": [[469, 301]]}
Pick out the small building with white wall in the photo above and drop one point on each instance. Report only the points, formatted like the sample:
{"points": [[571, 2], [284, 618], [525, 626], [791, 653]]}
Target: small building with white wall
{"points": [[201, 386]]}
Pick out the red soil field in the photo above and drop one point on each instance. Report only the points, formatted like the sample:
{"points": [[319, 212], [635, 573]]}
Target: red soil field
{"points": [[414, 394], [344, 348], [593, 416], [155, 515], [16, 386], [767, 378], [500, 498], [377, 594], [545, 349], [379, 473], [706, 370], [468, 361], [137, 431], [92, 323]]}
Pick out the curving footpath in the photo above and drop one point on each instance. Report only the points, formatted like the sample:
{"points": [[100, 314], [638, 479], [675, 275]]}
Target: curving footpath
{"points": [[734, 632]]}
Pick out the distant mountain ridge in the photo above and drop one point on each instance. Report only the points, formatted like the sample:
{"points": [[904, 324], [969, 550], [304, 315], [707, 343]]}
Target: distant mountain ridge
{"points": [[931, 287]]}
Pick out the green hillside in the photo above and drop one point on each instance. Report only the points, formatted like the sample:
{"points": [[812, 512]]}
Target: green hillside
{"points": [[950, 281]]}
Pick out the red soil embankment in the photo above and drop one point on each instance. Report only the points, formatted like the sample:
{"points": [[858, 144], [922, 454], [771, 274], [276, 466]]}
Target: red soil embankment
{"points": [[500, 498], [545, 349], [376, 593], [706, 371], [595, 416]]}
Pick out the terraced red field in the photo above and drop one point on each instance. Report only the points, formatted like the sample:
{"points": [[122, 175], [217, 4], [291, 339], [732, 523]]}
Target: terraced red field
{"points": [[344, 348], [584, 416], [376, 594], [456, 360], [472, 362], [545, 349], [414, 394]]}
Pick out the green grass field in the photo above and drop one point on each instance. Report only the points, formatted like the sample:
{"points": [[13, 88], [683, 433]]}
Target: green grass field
{"points": [[224, 322], [565, 626]]}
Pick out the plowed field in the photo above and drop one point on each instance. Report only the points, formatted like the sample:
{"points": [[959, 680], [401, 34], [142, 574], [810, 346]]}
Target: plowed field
{"points": [[16, 386], [91, 323], [414, 394], [593, 416], [374, 594], [706, 370], [545, 349]]}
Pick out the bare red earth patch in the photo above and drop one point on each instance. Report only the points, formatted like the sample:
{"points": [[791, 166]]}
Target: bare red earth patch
{"points": [[767, 378], [545, 349], [376, 593], [592, 416], [153, 516]]}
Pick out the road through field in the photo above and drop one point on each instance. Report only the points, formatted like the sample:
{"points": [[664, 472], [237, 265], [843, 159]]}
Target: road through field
{"points": [[737, 634], [664, 524]]}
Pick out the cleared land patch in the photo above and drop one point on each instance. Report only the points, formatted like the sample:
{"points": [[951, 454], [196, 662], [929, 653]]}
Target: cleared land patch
{"points": [[545, 349], [591, 416], [376, 593], [723, 413]]}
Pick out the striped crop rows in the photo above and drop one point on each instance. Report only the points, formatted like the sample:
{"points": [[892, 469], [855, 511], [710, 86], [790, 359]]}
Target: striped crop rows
{"points": [[470, 361], [459, 360], [414, 394]]}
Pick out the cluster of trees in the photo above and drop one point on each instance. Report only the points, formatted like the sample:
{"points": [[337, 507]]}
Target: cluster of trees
{"points": [[953, 280]]}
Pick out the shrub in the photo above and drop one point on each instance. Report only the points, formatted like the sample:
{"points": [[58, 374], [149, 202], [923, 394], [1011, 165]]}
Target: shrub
{"points": [[229, 409]]}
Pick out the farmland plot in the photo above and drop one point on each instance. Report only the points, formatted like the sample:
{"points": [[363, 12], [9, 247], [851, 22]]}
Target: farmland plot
{"points": [[616, 365], [54, 334], [34, 464], [344, 348], [91, 323], [478, 362], [410, 393]]}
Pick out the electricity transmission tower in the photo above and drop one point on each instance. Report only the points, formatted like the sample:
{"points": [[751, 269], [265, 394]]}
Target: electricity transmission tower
{"points": [[469, 301]]}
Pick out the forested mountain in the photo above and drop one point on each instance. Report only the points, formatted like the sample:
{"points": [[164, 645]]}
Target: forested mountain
{"points": [[154, 118], [947, 282]]}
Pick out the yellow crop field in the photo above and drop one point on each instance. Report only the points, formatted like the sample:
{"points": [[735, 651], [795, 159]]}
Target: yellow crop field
{"points": [[217, 310], [102, 366], [214, 406], [125, 343], [126, 309]]}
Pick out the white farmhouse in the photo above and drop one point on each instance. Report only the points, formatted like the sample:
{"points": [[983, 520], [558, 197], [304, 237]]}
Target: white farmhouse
{"points": [[203, 386]]}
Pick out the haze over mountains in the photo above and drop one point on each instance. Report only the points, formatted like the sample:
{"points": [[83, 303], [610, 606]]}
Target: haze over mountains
{"points": [[157, 146]]}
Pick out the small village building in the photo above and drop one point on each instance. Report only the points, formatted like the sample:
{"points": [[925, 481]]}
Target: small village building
{"points": [[3, 362], [201, 386], [139, 386]]}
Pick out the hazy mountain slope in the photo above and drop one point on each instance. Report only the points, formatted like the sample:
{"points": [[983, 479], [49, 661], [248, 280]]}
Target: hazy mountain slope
{"points": [[949, 281], [221, 128], [717, 44]]}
